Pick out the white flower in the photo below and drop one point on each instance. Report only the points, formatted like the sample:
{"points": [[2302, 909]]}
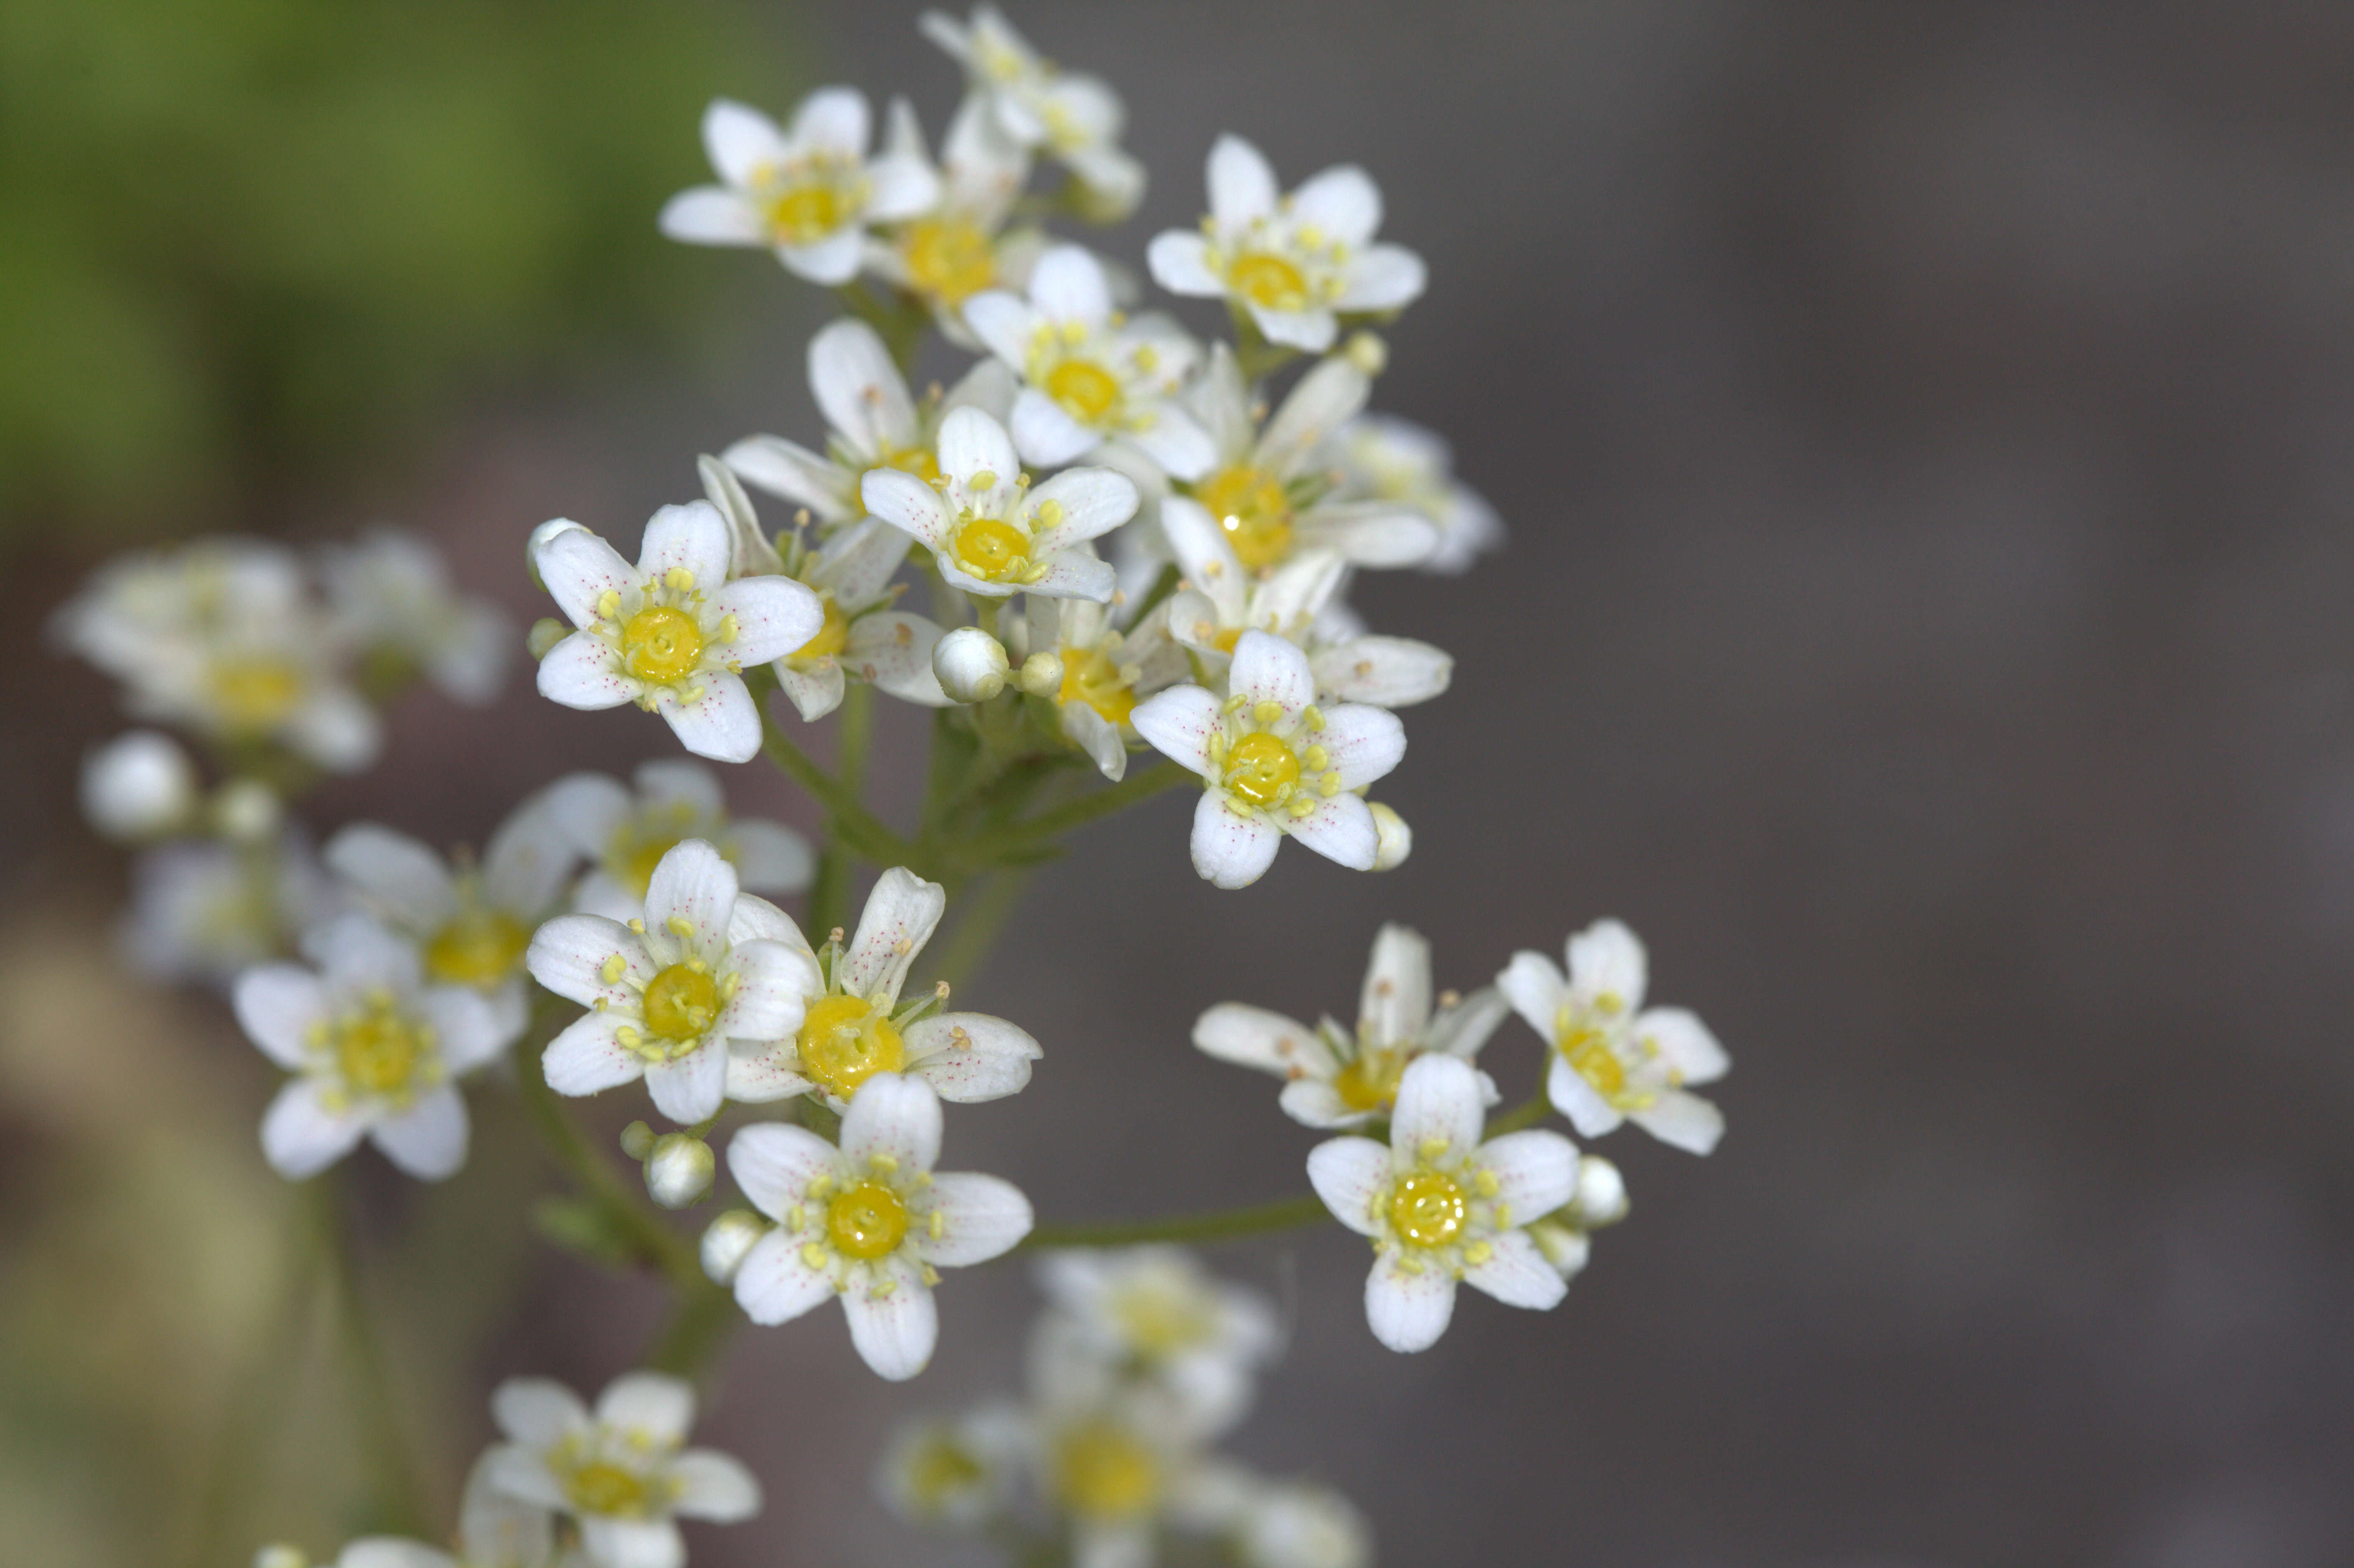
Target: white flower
{"points": [[1296, 263], [872, 421], [1077, 118], [1104, 671], [1336, 1078], [624, 833], [1379, 457], [808, 193], [375, 1051], [988, 532], [1115, 1461], [954, 1474], [850, 1032], [955, 251], [1441, 1206], [494, 1531], [1273, 763], [707, 966], [1091, 376], [868, 1221], [207, 911], [390, 594], [1613, 1060], [138, 785], [624, 1472], [671, 634], [1155, 1312], [471, 922], [1294, 1524], [1565, 1237]]}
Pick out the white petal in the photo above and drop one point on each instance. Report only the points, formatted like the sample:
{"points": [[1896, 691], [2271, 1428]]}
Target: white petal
{"points": [[612, 1543], [1351, 1174], [1341, 829], [713, 1486], [1311, 1102], [1578, 1101], [712, 215], [1045, 431], [1409, 1310], [774, 1164], [1268, 668], [1536, 990], [588, 809], [469, 1028], [832, 260], [740, 141], [1310, 330], [276, 1006], [1343, 201], [1074, 574], [893, 651], [895, 1332], [1180, 261], [587, 1058], [908, 503], [1231, 851], [301, 1136], [834, 118], [900, 187], [690, 1089], [495, 1530], [526, 861], [773, 617], [578, 568], [775, 1282], [693, 538], [1003, 322], [813, 692], [771, 979], [1365, 742], [897, 1117], [537, 1412], [356, 953], [522, 1474], [1067, 285], [1255, 1037], [584, 672], [1179, 723], [650, 1404], [1174, 441], [1685, 1042], [724, 724], [1395, 1005], [1242, 185], [1682, 1121], [972, 443], [1093, 501], [693, 886], [1438, 1103], [860, 391], [968, 1057], [685, 789], [402, 879], [1461, 1030], [784, 468], [1383, 278], [1607, 960], [1386, 671], [428, 1140], [768, 1073], [982, 1217], [901, 914], [1208, 560], [1097, 736], [1327, 397], [568, 954], [1535, 1171], [1371, 532], [1516, 1274]]}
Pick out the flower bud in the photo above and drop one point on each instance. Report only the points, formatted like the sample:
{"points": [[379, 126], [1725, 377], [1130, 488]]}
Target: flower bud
{"points": [[679, 1171], [137, 786], [1601, 1197], [1394, 840], [638, 1140], [280, 1556], [247, 810], [540, 538], [1367, 351], [730, 1236], [1564, 1247], [1042, 675], [544, 633], [971, 665]]}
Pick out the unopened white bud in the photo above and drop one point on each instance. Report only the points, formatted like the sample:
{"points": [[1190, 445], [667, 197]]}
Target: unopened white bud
{"points": [[1394, 841], [638, 1140], [1367, 351], [137, 786], [282, 1556], [1041, 675], [1601, 1197], [1566, 1248], [971, 665], [247, 810], [544, 633], [679, 1171], [541, 537], [725, 1243]]}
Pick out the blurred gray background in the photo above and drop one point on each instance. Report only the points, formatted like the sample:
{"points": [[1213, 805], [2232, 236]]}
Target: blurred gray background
{"points": [[1927, 439]]}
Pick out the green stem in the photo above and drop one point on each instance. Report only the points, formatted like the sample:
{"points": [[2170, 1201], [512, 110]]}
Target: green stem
{"points": [[399, 1496], [1049, 824], [1223, 1224], [829, 901], [1525, 1114], [977, 927], [853, 823], [702, 1319], [627, 1215]]}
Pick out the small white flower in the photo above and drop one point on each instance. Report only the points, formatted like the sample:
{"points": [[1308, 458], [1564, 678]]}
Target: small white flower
{"points": [[957, 1474], [494, 1531], [1442, 1207], [390, 595], [1294, 263], [1273, 763], [1077, 118], [808, 193], [1338, 1078], [208, 911], [990, 533], [955, 249], [667, 994], [624, 831], [623, 1473], [1155, 1312], [1105, 671], [1565, 1236], [1613, 1060], [471, 922], [1381, 458], [138, 785], [1116, 1462], [872, 421], [1294, 1524], [1091, 376], [869, 1221], [854, 1029], [375, 1051], [672, 633]]}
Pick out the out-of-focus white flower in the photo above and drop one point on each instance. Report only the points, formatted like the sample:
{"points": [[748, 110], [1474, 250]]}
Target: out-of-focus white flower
{"points": [[990, 533], [953, 1474], [1565, 1236], [727, 1241], [1273, 763], [375, 1051], [207, 911], [808, 193], [1090, 376], [1294, 1524], [1381, 459], [1101, 671], [869, 1221], [679, 1169], [1116, 1462], [969, 664], [1076, 117], [624, 831], [138, 785], [623, 1473], [1442, 1207], [668, 995], [1294, 263], [1613, 1060], [390, 594], [850, 1032], [955, 249], [494, 1531], [471, 922], [672, 633], [1155, 1312], [1338, 1078]]}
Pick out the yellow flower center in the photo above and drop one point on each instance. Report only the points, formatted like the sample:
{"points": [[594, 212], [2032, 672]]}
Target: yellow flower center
{"points": [[921, 461], [1225, 641], [805, 213], [480, 949], [991, 549], [1103, 1472], [939, 1471], [681, 1002], [1092, 676], [1268, 281], [1160, 1322], [255, 694], [599, 1488], [1588, 1051], [949, 259], [1086, 389], [660, 645], [866, 1221], [1369, 1083], [1426, 1208], [1261, 769], [635, 852], [1250, 505], [831, 638], [378, 1051], [844, 1041]]}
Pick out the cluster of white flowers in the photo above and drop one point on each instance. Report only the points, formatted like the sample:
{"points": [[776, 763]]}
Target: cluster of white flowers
{"points": [[1140, 1363]]}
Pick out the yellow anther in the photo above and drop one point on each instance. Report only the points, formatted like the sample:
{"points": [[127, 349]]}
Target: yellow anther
{"points": [[1504, 1216], [882, 1290], [938, 1224], [613, 969], [885, 1163], [1478, 1252], [638, 926], [903, 946], [1301, 805], [986, 479], [1217, 748], [1433, 1147], [1267, 710], [729, 629], [609, 605], [679, 926], [1050, 513], [679, 580], [1328, 785], [1486, 1184], [1314, 716], [929, 1275], [813, 1255], [820, 1184], [629, 1038], [1237, 702], [796, 1217], [1315, 759]]}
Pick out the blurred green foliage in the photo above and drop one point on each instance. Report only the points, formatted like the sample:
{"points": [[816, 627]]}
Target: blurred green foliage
{"points": [[243, 241]]}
